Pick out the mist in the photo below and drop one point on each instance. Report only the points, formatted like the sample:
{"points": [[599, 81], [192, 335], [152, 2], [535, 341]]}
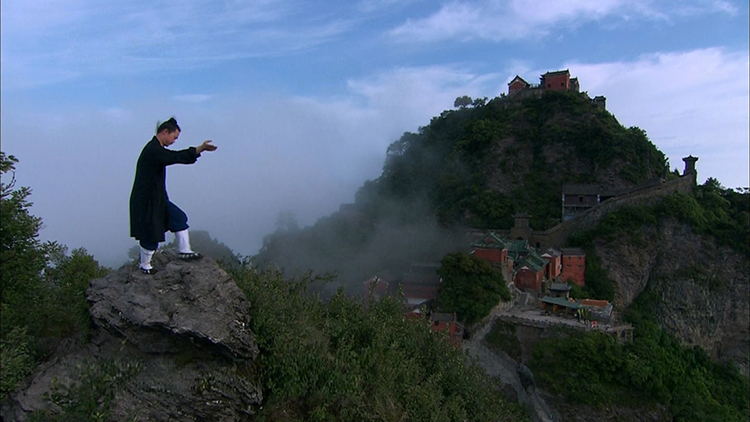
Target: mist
{"points": [[274, 155], [307, 155]]}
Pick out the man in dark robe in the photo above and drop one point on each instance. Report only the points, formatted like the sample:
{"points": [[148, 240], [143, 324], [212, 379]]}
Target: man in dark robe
{"points": [[151, 212]]}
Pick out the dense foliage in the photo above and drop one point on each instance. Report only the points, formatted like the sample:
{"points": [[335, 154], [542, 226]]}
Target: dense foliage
{"points": [[344, 360], [470, 287], [42, 289], [593, 368], [712, 209], [448, 162], [655, 368], [446, 175]]}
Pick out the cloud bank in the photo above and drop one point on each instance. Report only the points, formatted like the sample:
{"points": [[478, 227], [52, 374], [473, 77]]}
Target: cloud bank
{"points": [[503, 20]]}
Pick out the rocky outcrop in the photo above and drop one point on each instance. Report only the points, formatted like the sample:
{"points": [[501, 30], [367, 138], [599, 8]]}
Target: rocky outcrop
{"points": [[173, 346], [703, 288]]}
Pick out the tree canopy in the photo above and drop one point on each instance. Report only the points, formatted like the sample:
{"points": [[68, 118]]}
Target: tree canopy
{"points": [[470, 286]]}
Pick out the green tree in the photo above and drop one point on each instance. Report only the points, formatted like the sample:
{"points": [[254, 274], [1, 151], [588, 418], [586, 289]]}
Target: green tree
{"points": [[470, 286], [462, 102], [23, 256], [42, 290]]}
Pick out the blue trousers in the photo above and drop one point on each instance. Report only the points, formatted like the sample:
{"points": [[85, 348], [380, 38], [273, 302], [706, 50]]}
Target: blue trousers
{"points": [[176, 221]]}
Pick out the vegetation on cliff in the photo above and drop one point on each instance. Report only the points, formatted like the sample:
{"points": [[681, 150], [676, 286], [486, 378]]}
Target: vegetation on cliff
{"points": [[593, 368], [475, 166], [344, 360], [42, 288], [478, 166], [471, 287], [712, 210], [655, 368]]}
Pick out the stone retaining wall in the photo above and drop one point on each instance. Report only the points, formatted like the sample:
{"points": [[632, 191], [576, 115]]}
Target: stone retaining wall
{"points": [[558, 236]]}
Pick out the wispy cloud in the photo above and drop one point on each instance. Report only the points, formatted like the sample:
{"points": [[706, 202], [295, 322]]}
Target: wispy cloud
{"points": [[48, 43], [692, 102], [499, 20], [369, 6], [412, 95]]}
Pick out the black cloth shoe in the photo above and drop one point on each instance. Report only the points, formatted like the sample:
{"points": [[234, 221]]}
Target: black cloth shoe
{"points": [[190, 256], [152, 271]]}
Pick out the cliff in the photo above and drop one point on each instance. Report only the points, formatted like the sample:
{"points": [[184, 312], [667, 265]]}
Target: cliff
{"points": [[195, 343], [701, 288], [173, 346]]}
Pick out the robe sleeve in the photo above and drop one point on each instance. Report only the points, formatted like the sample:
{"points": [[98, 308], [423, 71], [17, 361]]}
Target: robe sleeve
{"points": [[167, 157]]}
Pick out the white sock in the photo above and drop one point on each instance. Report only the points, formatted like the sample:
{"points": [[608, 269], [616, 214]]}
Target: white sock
{"points": [[146, 258], [183, 241]]}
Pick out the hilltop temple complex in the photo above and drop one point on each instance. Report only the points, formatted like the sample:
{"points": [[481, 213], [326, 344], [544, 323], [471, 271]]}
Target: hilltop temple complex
{"points": [[559, 80]]}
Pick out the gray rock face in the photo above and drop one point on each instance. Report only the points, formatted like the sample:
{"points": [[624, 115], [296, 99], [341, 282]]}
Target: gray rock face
{"points": [[703, 287], [174, 346], [194, 302]]}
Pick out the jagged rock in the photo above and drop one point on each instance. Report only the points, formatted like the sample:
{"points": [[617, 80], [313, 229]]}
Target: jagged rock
{"points": [[175, 346], [188, 301]]}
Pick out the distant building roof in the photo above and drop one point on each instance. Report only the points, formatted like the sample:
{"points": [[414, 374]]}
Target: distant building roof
{"points": [[533, 266], [552, 253], [573, 252], [517, 248], [559, 301], [559, 287], [443, 316], [557, 72], [569, 189], [536, 258], [533, 261], [594, 302], [518, 245], [428, 268], [420, 278], [518, 78], [491, 241]]}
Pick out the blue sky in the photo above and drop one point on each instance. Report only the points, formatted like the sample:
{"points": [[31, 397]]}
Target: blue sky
{"points": [[304, 97]]}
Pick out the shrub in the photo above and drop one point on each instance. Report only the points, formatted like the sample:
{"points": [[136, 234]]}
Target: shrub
{"points": [[344, 360]]}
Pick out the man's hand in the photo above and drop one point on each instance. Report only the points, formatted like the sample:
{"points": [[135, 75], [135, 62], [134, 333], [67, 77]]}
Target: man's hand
{"points": [[205, 146]]}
